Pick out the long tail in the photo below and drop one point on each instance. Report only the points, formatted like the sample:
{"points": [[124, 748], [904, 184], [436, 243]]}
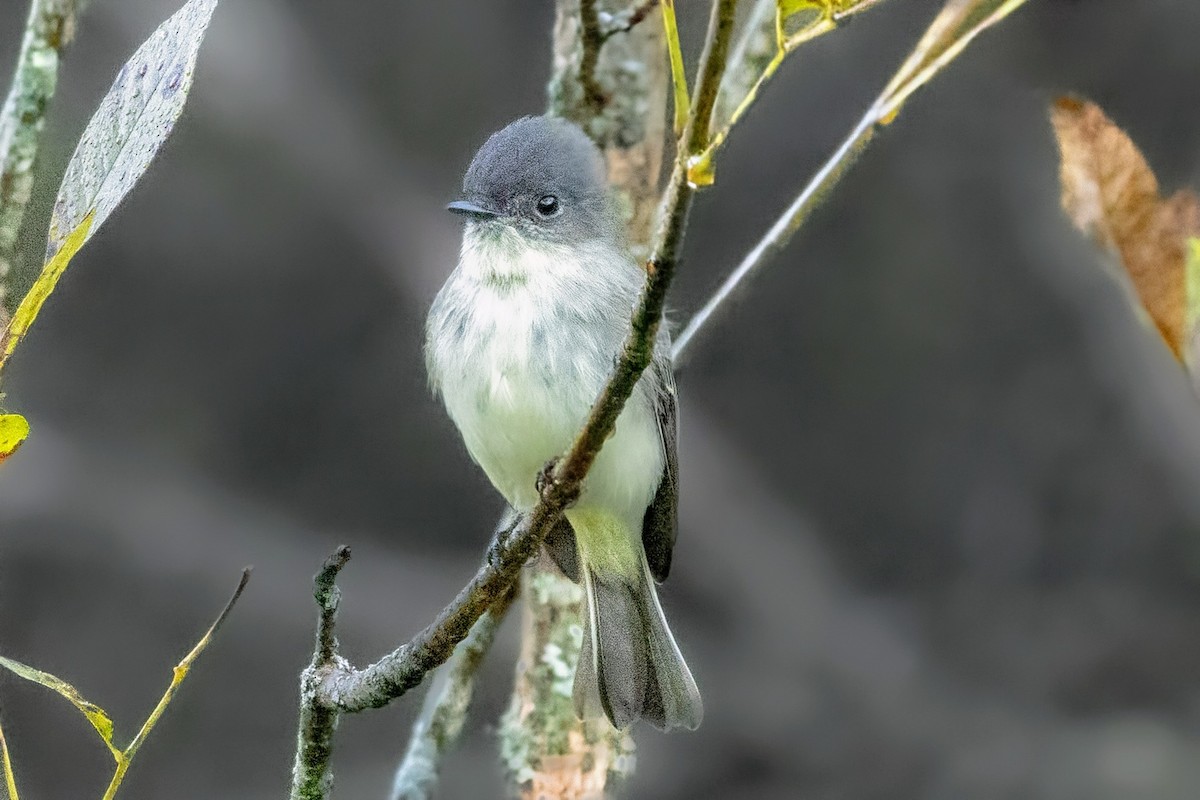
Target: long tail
{"points": [[630, 664]]}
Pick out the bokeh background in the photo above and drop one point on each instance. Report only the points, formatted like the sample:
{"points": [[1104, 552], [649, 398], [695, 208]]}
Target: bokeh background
{"points": [[941, 533]]}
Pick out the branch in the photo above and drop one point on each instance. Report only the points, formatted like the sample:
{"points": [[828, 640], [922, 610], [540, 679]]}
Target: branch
{"points": [[48, 31], [592, 37], [314, 742], [446, 706]]}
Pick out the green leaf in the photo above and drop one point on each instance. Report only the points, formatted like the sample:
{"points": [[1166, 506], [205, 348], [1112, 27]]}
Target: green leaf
{"points": [[13, 431], [789, 8], [678, 75], [132, 123], [32, 303], [94, 713]]}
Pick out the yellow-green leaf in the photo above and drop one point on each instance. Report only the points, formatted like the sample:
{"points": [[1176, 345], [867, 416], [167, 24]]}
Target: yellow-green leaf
{"points": [[955, 26], [829, 9], [678, 75], [10, 778], [701, 169], [32, 303], [789, 7], [94, 713], [13, 431]]}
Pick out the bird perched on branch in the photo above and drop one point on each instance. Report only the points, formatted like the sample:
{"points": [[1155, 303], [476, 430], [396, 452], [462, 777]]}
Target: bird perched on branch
{"points": [[519, 343]]}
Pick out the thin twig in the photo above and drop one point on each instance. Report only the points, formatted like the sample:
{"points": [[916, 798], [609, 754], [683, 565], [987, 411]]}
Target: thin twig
{"points": [[784, 228], [445, 709], [125, 759], [48, 31]]}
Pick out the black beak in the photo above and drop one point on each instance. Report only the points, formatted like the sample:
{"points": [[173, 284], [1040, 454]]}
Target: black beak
{"points": [[469, 209]]}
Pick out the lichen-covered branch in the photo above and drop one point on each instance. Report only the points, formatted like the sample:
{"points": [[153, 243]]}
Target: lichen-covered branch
{"points": [[545, 749], [48, 31], [630, 126], [445, 709], [311, 778]]}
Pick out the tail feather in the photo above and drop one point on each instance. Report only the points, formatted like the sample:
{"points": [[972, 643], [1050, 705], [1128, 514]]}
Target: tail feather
{"points": [[629, 664]]}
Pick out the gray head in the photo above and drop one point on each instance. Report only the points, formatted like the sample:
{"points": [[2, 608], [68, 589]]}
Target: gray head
{"points": [[542, 177]]}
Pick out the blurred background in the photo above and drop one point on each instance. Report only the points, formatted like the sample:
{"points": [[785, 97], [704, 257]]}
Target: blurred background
{"points": [[941, 533]]}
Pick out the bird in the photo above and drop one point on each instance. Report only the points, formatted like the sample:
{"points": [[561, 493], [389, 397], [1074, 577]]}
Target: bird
{"points": [[519, 342]]}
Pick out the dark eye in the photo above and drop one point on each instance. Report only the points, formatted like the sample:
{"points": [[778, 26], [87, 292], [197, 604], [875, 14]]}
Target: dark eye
{"points": [[548, 206]]}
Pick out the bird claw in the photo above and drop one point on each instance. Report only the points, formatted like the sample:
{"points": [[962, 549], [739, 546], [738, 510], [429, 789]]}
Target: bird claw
{"points": [[546, 481]]}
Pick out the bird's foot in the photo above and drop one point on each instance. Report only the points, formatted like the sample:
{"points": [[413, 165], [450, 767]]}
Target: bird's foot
{"points": [[545, 481]]}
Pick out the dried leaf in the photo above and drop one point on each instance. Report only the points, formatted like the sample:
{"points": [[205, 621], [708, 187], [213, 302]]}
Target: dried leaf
{"points": [[94, 713], [13, 431], [132, 123], [1110, 193], [955, 26]]}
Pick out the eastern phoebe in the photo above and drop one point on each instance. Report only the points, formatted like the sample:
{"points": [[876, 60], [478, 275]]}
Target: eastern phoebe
{"points": [[519, 343]]}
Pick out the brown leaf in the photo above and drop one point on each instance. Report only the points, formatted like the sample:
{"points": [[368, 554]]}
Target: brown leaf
{"points": [[1110, 192]]}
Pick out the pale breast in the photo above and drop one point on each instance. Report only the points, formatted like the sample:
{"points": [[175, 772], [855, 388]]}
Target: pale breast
{"points": [[518, 363]]}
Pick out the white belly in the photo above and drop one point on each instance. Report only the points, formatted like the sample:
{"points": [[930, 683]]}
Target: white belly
{"points": [[518, 376]]}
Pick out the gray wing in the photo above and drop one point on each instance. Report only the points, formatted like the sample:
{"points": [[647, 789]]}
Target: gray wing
{"points": [[660, 524]]}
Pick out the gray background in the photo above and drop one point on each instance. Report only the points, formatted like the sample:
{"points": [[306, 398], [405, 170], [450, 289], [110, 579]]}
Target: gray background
{"points": [[939, 520]]}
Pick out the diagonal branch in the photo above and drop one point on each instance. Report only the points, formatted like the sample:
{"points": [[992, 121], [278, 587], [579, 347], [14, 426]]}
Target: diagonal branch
{"points": [[48, 31]]}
